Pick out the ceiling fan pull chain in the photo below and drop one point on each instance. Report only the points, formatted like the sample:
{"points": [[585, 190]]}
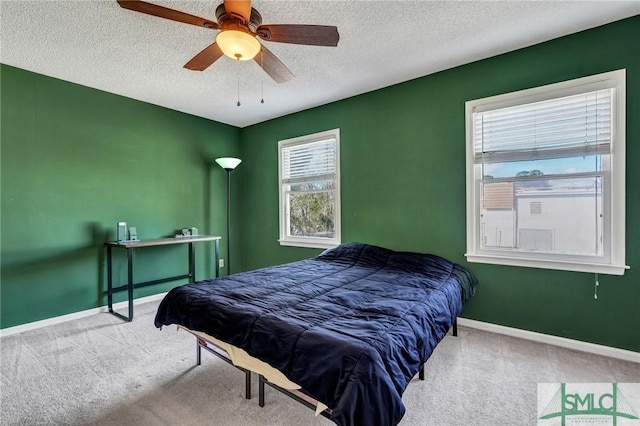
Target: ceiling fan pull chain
{"points": [[262, 80], [238, 104]]}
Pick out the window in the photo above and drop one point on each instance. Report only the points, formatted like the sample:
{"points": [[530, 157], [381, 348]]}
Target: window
{"points": [[545, 176], [309, 173]]}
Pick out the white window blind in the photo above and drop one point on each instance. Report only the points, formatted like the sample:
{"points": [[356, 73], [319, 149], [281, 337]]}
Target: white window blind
{"points": [[309, 162], [571, 126]]}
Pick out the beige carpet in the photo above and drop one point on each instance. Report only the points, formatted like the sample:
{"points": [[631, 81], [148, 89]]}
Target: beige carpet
{"points": [[102, 371]]}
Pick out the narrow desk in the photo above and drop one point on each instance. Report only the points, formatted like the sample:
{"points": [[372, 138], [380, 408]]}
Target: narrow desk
{"points": [[130, 245]]}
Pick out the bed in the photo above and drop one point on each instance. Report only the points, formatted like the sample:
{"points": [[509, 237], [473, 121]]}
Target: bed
{"points": [[351, 326]]}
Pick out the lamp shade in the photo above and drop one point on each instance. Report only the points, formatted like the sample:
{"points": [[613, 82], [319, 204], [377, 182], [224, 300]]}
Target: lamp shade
{"points": [[228, 163], [238, 44]]}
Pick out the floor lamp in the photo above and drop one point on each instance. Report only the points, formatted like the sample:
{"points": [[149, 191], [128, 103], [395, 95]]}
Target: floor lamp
{"points": [[228, 164]]}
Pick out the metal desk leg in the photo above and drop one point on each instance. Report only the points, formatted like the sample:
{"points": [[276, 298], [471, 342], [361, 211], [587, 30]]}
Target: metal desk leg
{"points": [[192, 263], [216, 258], [109, 280], [130, 284]]}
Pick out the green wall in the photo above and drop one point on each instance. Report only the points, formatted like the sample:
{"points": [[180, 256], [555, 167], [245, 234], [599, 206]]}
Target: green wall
{"points": [[77, 160], [403, 183]]}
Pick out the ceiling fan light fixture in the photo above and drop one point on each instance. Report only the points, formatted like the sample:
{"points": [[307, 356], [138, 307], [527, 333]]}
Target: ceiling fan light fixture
{"points": [[238, 45]]}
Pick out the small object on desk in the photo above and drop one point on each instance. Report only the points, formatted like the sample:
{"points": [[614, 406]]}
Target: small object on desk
{"points": [[187, 232], [133, 234], [122, 231]]}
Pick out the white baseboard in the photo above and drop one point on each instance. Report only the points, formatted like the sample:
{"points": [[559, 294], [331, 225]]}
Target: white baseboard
{"points": [[577, 345], [76, 315]]}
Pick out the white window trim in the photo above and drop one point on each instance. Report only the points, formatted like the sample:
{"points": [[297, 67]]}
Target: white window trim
{"points": [[615, 222], [309, 241]]}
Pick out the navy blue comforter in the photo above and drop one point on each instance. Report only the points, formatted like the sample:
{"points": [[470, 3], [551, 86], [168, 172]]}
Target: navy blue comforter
{"points": [[352, 326]]}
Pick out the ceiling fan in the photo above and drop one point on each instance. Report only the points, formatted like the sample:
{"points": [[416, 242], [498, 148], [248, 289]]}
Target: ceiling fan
{"points": [[240, 27]]}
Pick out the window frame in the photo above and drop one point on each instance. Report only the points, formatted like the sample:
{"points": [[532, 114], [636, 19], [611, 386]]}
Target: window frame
{"points": [[613, 188], [311, 242]]}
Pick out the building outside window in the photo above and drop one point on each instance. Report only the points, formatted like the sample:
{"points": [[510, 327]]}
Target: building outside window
{"points": [[309, 175]]}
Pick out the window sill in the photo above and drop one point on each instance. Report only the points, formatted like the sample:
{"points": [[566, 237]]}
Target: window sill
{"points": [[309, 243], [596, 268]]}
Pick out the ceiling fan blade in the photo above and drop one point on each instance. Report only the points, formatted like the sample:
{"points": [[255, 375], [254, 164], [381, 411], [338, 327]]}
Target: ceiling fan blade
{"points": [[240, 8], [316, 35], [273, 66], [204, 59], [165, 12]]}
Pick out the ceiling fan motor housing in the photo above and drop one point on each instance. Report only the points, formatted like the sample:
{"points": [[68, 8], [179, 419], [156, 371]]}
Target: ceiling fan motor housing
{"points": [[235, 22]]}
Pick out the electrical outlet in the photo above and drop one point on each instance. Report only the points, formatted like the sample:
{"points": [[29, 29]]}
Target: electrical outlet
{"points": [[221, 263]]}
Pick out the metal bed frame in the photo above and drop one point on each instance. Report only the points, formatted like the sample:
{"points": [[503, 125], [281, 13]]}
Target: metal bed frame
{"points": [[202, 343], [299, 396]]}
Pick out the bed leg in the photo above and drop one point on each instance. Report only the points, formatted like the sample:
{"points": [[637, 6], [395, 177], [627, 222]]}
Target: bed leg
{"points": [[247, 384], [198, 352], [455, 327], [421, 373], [261, 390]]}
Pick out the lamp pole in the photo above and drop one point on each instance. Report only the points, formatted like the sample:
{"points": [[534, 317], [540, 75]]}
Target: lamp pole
{"points": [[228, 220], [228, 164]]}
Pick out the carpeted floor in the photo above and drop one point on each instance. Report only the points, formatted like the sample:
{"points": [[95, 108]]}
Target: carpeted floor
{"points": [[102, 371]]}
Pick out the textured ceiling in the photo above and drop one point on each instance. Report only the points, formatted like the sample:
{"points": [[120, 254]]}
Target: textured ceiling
{"points": [[101, 45]]}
